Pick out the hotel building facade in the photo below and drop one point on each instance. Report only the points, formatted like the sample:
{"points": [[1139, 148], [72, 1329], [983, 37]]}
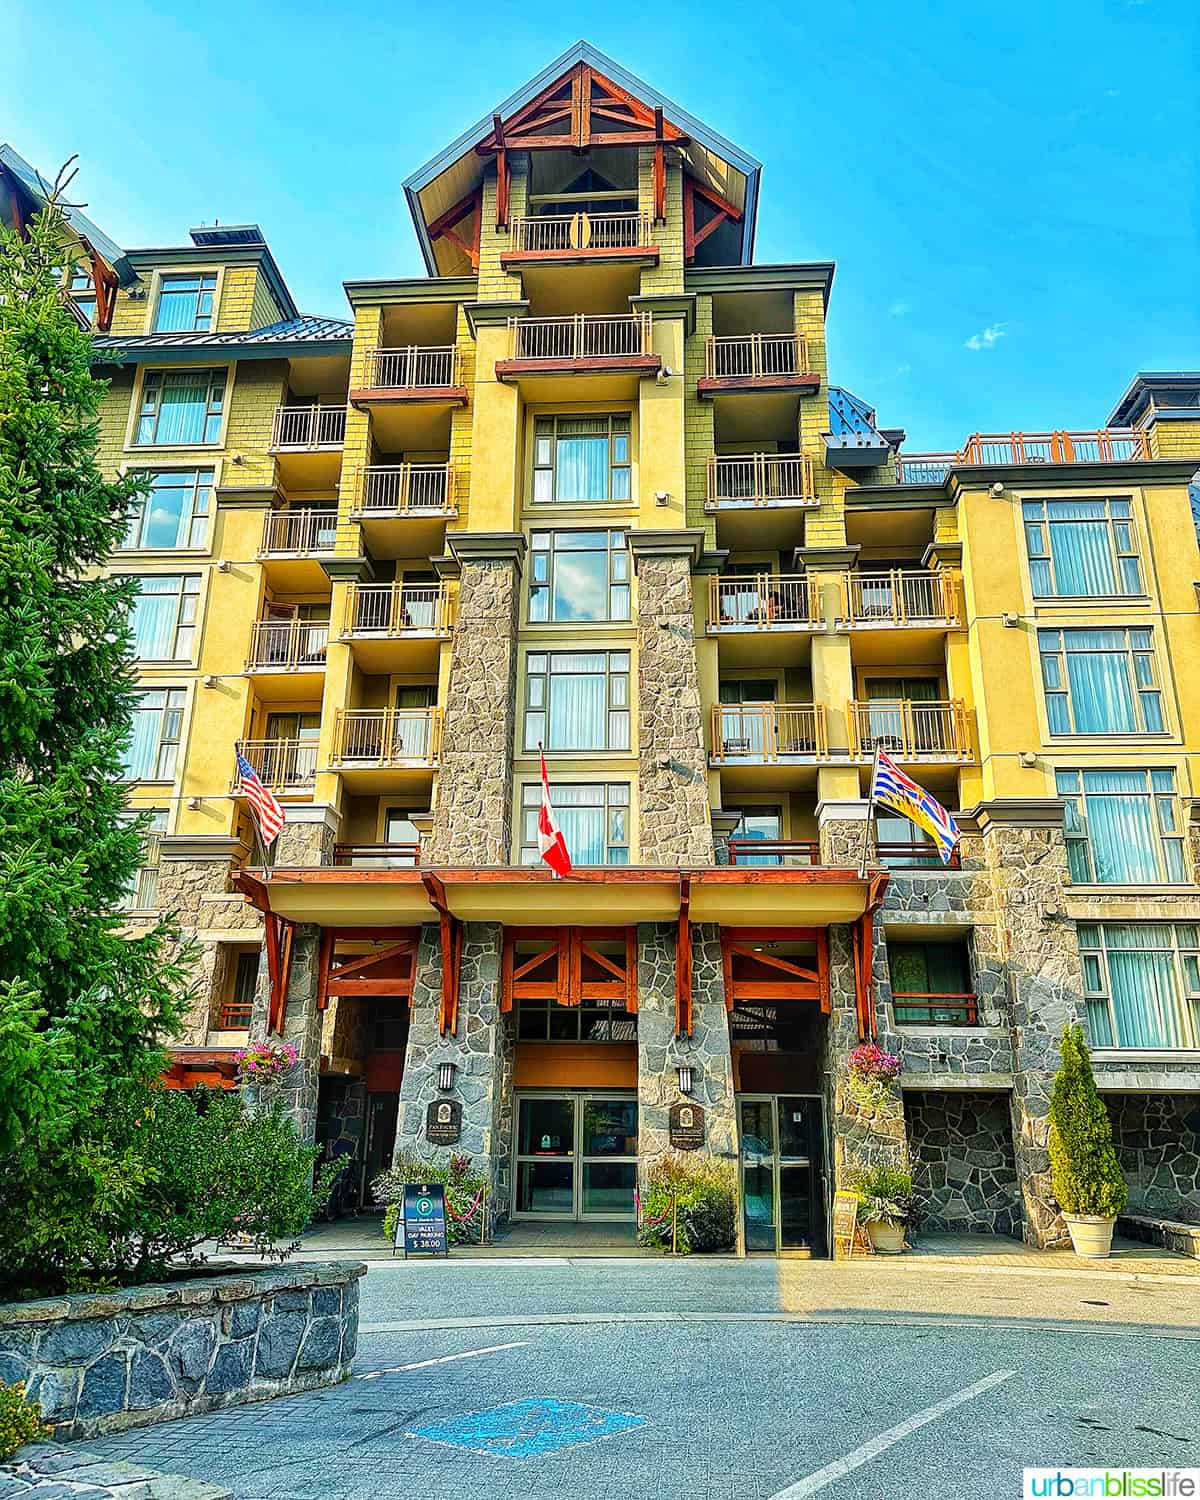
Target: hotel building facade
{"points": [[587, 484]]}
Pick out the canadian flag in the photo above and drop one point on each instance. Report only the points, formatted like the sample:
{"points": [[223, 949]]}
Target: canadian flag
{"points": [[551, 845]]}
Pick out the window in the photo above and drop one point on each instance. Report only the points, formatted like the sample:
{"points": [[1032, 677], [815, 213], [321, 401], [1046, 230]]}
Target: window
{"points": [[581, 458], [931, 984], [1082, 548], [594, 819], [579, 575], [157, 722], [598, 1020], [81, 290], [175, 513], [143, 888], [185, 303], [577, 700], [1122, 827], [1142, 983], [1101, 682], [164, 616], [237, 1010], [180, 407]]}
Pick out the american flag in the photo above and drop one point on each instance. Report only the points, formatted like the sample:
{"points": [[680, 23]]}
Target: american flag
{"points": [[268, 813]]}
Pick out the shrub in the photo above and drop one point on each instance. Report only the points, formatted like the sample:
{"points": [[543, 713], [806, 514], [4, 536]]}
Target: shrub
{"points": [[700, 1195], [164, 1171], [885, 1193], [463, 1184], [1084, 1168], [20, 1420]]}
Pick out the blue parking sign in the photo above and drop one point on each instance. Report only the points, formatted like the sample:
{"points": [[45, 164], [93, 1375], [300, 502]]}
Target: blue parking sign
{"points": [[421, 1228]]}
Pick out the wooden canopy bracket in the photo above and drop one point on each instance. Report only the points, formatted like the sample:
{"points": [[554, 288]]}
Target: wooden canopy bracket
{"points": [[104, 280], [683, 962], [278, 933], [660, 169], [451, 945], [863, 942], [445, 226], [692, 237], [502, 174]]}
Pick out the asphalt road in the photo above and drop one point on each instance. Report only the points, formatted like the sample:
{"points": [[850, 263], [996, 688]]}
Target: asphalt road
{"points": [[651, 1381]]}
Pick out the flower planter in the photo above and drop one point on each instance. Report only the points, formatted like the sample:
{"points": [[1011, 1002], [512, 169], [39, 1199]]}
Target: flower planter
{"points": [[886, 1239], [1091, 1235]]}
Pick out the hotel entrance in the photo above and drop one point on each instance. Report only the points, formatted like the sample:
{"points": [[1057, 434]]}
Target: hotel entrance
{"points": [[782, 1168], [576, 1156]]}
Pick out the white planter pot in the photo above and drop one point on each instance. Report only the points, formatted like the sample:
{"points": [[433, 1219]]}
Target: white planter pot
{"points": [[1091, 1235], [886, 1239]]}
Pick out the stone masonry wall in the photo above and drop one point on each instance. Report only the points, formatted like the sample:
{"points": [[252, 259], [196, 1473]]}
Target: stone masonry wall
{"points": [[660, 1051], [1157, 1137], [107, 1361], [474, 800], [961, 1148], [672, 767], [301, 1029]]}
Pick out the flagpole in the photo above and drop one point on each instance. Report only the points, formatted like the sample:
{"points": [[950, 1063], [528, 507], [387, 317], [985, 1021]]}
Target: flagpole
{"points": [[866, 843], [258, 839]]}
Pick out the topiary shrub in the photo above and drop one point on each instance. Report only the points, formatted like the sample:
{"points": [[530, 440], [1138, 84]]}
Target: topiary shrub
{"points": [[1086, 1174], [698, 1194], [20, 1420]]}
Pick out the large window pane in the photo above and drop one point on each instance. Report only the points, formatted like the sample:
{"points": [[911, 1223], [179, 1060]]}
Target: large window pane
{"points": [[581, 459], [1111, 679], [1082, 548], [577, 700], [1137, 983]]}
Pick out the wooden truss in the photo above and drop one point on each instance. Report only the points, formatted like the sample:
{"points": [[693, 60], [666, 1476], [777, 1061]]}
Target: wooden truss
{"points": [[567, 967], [450, 225], [791, 978], [359, 973], [723, 211]]}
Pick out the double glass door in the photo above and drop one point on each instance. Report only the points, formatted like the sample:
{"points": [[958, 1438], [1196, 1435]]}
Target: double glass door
{"points": [[782, 1150], [576, 1156]]}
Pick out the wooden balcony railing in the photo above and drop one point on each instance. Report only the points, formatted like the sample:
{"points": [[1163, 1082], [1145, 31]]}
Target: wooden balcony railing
{"points": [[387, 736], [565, 233], [760, 479], [752, 355], [308, 427], [896, 855], [580, 337], [235, 1015], [786, 852], [299, 532], [939, 1010], [899, 597], [763, 601], [396, 609], [405, 490], [1101, 445], [414, 367], [761, 733], [377, 856], [282, 765], [287, 646], [910, 729]]}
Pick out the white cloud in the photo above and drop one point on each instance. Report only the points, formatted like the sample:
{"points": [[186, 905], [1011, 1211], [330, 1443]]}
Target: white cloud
{"points": [[992, 334], [903, 370], [898, 309]]}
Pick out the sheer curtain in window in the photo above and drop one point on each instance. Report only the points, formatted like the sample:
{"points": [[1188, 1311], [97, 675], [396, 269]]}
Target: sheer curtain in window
{"points": [[140, 756], [582, 825], [1079, 543], [1120, 827], [154, 618], [181, 410], [1097, 670], [581, 460], [176, 312], [578, 703], [1145, 996]]}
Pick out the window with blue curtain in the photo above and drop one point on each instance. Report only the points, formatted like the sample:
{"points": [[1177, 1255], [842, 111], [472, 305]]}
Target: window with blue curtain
{"points": [[1122, 827], [157, 723], [1082, 548], [1141, 983], [180, 408], [164, 616], [593, 816], [1101, 681], [577, 700], [185, 303], [581, 458]]}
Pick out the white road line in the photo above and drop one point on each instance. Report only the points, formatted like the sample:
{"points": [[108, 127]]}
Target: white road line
{"points": [[444, 1359], [814, 1483]]}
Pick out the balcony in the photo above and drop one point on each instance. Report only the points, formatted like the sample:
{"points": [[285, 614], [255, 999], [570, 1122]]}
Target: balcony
{"points": [[382, 749], [287, 767], [395, 490], [750, 480], [308, 428], [581, 238], [899, 598], [293, 542], [911, 1008], [754, 607], [1104, 445], [910, 730], [580, 346], [764, 734], [396, 627], [757, 362], [775, 853], [287, 657], [377, 856], [914, 855], [415, 374]]}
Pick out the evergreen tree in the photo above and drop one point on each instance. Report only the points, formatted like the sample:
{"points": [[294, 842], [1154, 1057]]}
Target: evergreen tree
{"points": [[83, 1008], [1084, 1168]]}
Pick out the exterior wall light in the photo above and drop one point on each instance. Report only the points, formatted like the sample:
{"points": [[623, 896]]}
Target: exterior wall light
{"points": [[446, 1076], [684, 1073]]}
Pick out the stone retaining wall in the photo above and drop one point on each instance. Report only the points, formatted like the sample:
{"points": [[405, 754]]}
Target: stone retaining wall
{"points": [[964, 1171], [103, 1362]]}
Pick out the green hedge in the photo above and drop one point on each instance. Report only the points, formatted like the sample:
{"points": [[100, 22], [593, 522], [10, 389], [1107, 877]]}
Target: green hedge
{"points": [[704, 1194]]}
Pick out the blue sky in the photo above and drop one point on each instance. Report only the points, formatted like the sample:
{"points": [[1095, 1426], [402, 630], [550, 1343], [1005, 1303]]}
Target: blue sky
{"points": [[1011, 191]]}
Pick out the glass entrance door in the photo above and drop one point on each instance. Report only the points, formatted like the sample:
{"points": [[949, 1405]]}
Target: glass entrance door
{"points": [[576, 1156], [782, 1154]]}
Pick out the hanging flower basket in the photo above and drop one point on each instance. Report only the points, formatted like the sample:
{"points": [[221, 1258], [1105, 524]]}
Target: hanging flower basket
{"points": [[263, 1065], [870, 1073]]}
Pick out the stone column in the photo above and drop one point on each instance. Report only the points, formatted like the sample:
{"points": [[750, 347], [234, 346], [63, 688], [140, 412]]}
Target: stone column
{"points": [[674, 827], [1026, 856], [482, 1053], [301, 1028], [306, 840], [472, 818], [842, 830], [660, 1051]]}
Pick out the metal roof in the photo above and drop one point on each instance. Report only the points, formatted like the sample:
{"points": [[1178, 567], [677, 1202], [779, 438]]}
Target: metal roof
{"points": [[1133, 401], [36, 185], [289, 335]]}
